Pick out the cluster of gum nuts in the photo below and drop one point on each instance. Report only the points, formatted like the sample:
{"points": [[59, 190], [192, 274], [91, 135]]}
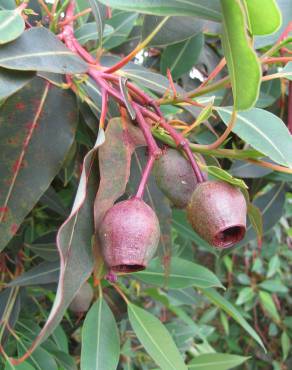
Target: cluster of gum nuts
{"points": [[129, 232]]}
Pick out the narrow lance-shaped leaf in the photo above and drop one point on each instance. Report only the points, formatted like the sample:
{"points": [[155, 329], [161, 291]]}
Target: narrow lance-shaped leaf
{"points": [[38, 49], [155, 339], [114, 165], [74, 244], [100, 339], [265, 19], [218, 361], [264, 131], [208, 9], [222, 303], [242, 62], [182, 274], [37, 128]]}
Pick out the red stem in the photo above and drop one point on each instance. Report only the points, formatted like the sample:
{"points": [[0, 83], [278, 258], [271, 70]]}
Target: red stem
{"points": [[145, 176], [290, 107]]}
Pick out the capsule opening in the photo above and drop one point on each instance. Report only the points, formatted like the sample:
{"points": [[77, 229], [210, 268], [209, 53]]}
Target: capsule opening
{"points": [[229, 236]]}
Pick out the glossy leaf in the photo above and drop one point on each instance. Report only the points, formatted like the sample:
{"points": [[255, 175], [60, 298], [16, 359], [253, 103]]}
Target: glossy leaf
{"points": [[122, 24], [90, 31], [248, 170], [263, 19], [38, 49], [12, 81], [100, 339], [23, 366], [286, 344], [175, 29], [209, 9], [74, 244], [44, 273], [226, 306], [256, 220], [269, 305], [37, 127], [218, 361], [99, 13], [155, 338], [242, 62], [182, 274], [221, 174], [11, 25], [264, 131], [287, 71], [181, 57]]}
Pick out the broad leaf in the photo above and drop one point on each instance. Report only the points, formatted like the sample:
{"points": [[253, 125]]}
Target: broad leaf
{"points": [[263, 19], [37, 127], [74, 245], [12, 81], [89, 31], [155, 339], [181, 57], [100, 339], [11, 25], [182, 274], [38, 49], [218, 361], [226, 306], [176, 29], [44, 273], [208, 9], [242, 62], [264, 131]]}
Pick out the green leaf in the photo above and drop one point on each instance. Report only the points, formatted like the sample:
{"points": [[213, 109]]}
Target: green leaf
{"points": [[89, 31], [122, 24], [208, 9], [264, 131], [181, 57], [263, 19], [74, 244], [287, 71], [155, 338], [182, 274], [245, 295], [221, 174], [38, 49], [286, 345], [23, 366], [242, 62], [274, 286], [218, 361], [12, 81], [226, 306], [37, 128], [100, 348], [11, 25], [99, 13], [269, 305], [176, 29], [256, 220], [274, 266], [44, 273]]}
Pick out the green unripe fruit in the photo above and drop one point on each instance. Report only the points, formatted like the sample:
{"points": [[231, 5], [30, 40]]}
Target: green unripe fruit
{"points": [[82, 299], [175, 177]]}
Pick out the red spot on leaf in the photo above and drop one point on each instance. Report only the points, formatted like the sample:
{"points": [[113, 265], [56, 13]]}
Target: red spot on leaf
{"points": [[20, 106], [4, 209], [13, 228]]}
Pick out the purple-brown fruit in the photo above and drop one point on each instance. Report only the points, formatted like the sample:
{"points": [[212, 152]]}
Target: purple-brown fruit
{"points": [[217, 212], [129, 235], [175, 177], [82, 299]]}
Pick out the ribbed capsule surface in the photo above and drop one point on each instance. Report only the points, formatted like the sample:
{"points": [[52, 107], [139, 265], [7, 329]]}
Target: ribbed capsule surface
{"points": [[217, 212], [175, 177], [129, 235]]}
